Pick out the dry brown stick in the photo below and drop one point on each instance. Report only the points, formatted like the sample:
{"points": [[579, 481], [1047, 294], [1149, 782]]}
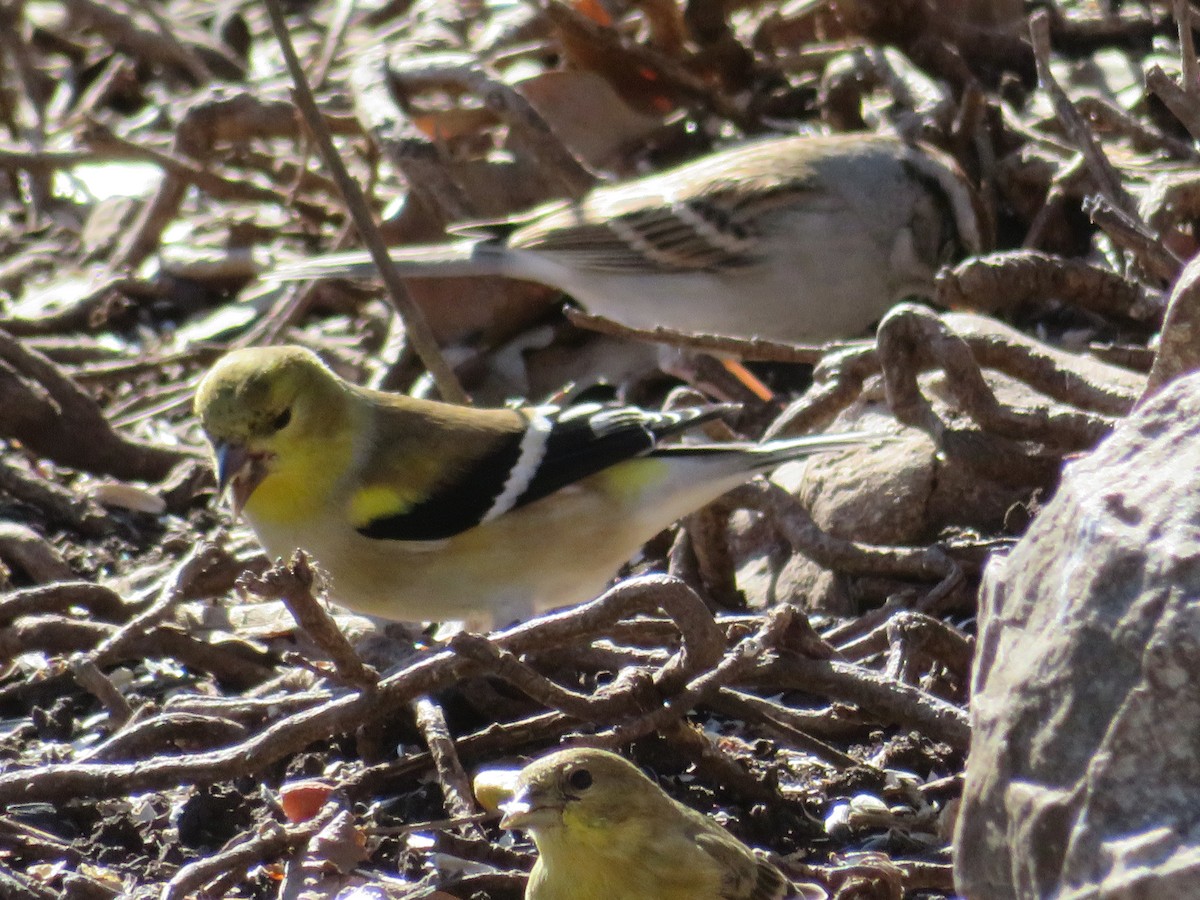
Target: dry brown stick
{"points": [[767, 715], [837, 382], [531, 135], [499, 663], [1189, 66], [86, 666], [30, 160], [702, 641], [14, 45], [1135, 237], [1176, 99], [93, 883], [419, 332], [885, 876], [1056, 194], [749, 349], [292, 583], [932, 636], [837, 721], [143, 739], [37, 843], [202, 558], [332, 43], [147, 231], [195, 64], [55, 634], [744, 656], [202, 177], [1142, 135], [24, 549], [716, 764], [61, 505], [102, 602], [705, 534], [1038, 366], [797, 527], [456, 785], [429, 673], [882, 697], [489, 742], [290, 735], [702, 646], [82, 313], [1072, 379], [477, 848], [14, 885], [1107, 180], [116, 24], [89, 677], [600, 658], [911, 335], [1004, 280], [53, 417], [270, 841]]}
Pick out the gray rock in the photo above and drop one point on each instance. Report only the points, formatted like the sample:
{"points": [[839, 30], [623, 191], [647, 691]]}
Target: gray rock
{"points": [[1084, 774]]}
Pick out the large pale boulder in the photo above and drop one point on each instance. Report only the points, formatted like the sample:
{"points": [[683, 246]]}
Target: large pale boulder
{"points": [[1084, 774]]}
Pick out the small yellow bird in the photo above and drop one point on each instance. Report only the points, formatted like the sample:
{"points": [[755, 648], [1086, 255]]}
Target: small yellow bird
{"points": [[604, 831], [421, 511]]}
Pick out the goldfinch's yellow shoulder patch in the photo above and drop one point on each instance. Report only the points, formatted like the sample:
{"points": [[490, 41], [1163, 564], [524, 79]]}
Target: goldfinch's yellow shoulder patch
{"points": [[372, 502]]}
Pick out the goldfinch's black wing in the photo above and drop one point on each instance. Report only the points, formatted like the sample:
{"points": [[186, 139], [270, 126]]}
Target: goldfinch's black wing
{"points": [[556, 448]]}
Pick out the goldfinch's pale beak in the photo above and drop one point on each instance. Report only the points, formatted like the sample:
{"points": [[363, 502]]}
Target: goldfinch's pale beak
{"points": [[524, 810], [516, 811], [239, 471]]}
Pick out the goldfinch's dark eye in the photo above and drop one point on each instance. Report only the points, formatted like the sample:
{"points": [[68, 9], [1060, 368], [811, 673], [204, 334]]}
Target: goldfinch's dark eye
{"points": [[580, 779], [281, 420]]}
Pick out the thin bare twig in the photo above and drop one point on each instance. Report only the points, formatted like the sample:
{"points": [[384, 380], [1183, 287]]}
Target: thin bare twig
{"points": [[418, 328]]}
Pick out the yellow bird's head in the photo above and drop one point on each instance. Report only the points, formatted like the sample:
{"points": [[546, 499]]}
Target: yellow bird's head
{"points": [[604, 831], [268, 408], [583, 792]]}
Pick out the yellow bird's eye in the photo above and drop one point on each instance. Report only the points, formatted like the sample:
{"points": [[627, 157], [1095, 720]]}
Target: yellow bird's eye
{"points": [[281, 420], [580, 779]]}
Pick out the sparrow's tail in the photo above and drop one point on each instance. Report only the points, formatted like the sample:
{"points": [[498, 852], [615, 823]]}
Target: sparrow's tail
{"points": [[448, 260]]}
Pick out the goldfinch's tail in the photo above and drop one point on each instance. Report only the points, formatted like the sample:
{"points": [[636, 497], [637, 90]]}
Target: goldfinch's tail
{"points": [[759, 457]]}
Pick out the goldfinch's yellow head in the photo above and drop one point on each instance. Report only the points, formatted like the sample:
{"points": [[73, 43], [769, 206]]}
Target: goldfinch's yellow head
{"points": [[580, 791], [263, 407]]}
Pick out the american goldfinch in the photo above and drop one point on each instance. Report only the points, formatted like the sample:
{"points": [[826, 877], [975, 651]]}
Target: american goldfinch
{"points": [[419, 510], [604, 831], [802, 238]]}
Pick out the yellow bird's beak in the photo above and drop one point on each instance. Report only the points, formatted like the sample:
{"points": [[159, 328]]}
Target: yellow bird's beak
{"points": [[516, 811], [526, 811], [239, 471]]}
